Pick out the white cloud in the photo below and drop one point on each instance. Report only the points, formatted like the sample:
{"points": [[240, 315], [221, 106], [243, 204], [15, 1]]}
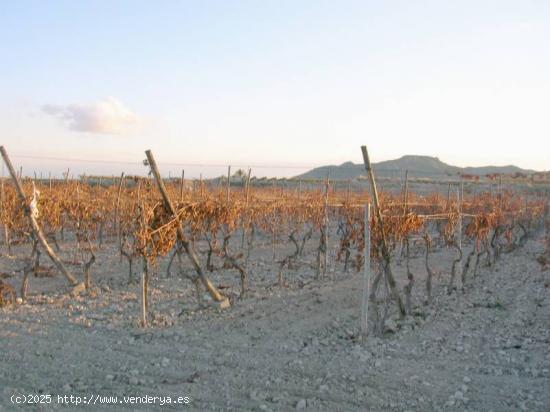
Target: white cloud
{"points": [[108, 116]]}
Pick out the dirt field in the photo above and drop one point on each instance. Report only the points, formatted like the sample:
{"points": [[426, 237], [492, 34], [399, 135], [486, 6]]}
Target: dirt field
{"points": [[284, 349]]}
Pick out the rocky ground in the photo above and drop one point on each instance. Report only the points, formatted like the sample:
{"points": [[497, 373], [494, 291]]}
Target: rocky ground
{"points": [[285, 348]]}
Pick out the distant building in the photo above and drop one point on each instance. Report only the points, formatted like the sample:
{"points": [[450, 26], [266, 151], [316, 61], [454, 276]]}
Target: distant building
{"points": [[493, 176], [541, 177], [474, 178]]}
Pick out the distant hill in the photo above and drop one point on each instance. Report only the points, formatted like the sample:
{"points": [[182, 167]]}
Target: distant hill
{"points": [[418, 167]]}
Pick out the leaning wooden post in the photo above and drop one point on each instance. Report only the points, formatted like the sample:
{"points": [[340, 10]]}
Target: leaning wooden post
{"points": [[384, 246], [217, 296], [34, 224], [366, 276]]}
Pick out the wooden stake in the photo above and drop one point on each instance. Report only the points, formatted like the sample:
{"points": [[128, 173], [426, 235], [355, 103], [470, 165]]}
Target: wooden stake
{"points": [[326, 224], [34, 224], [228, 184], [144, 298], [182, 183], [117, 224], [459, 194], [406, 193], [247, 197], [248, 186], [366, 276]]}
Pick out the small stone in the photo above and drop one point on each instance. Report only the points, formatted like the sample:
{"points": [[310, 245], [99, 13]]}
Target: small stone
{"points": [[466, 380], [66, 387], [301, 404], [165, 362], [450, 402], [391, 325], [133, 380], [110, 377]]}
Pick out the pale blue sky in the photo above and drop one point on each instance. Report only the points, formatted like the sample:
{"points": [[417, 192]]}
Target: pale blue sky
{"points": [[269, 83]]}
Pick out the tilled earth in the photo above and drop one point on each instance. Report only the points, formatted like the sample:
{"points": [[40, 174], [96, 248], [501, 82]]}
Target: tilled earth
{"points": [[279, 349]]}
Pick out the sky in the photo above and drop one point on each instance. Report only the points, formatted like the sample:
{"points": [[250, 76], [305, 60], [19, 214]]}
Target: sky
{"points": [[279, 86]]}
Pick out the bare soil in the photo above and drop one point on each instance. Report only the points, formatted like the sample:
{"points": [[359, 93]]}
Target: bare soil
{"points": [[279, 349]]}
